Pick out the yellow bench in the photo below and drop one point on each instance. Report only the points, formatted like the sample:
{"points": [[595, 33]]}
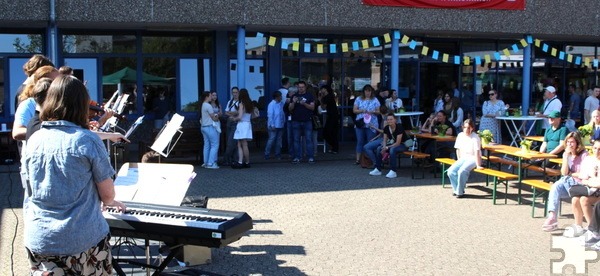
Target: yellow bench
{"points": [[414, 155], [544, 187], [498, 176]]}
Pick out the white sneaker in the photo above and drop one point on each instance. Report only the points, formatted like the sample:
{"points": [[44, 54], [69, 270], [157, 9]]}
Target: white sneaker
{"points": [[573, 231], [375, 172], [213, 166], [391, 174]]}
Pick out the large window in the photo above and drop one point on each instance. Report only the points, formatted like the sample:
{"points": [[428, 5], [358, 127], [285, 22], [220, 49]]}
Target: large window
{"points": [[75, 43]]}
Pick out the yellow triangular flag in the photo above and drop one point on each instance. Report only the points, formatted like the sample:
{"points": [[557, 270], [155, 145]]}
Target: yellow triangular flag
{"points": [[425, 50], [365, 44], [487, 58], [537, 42], [272, 41], [345, 47], [295, 46], [587, 62], [506, 52], [387, 38], [320, 48], [554, 50], [570, 58], [405, 39], [445, 58], [524, 42], [467, 60]]}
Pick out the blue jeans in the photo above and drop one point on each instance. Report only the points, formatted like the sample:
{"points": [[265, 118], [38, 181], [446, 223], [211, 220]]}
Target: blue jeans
{"points": [[300, 128], [558, 191], [274, 139], [211, 144], [371, 148], [393, 157], [363, 135], [459, 173]]}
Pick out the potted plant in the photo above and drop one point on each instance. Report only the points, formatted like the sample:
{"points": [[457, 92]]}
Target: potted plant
{"points": [[586, 133], [441, 129], [486, 137], [526, 146]]}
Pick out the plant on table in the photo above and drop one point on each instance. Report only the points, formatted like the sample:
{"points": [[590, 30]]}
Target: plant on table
{"points": [[526, 145], [486, 136], [441, 129], [585, 131]]}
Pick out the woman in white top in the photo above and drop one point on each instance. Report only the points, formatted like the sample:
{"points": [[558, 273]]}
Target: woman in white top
{"points": [[393, 102], [209, 132], [243, 131], [490, 109], [468, 157]]}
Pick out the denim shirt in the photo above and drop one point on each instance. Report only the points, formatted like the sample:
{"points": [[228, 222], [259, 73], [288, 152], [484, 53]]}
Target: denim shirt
{"points": [[63, 164]]}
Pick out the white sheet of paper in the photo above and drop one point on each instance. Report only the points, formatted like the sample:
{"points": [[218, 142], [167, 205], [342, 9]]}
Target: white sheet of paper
{"points": [[167, 134]]}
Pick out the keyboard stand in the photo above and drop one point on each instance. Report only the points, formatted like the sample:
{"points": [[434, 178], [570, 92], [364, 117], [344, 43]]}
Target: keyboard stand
{"points": [[157, 269]]}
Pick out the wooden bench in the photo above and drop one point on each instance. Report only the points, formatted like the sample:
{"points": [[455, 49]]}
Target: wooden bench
{"points": [[414, 156], [498, 177], [502, 161], [544, 187]]}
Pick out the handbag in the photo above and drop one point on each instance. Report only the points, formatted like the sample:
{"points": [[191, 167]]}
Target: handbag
{"points": [[581, 190], [316, 122]]}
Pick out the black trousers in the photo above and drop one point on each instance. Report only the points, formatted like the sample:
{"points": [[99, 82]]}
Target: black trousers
{"points": [[594, 225], [330, 134]]}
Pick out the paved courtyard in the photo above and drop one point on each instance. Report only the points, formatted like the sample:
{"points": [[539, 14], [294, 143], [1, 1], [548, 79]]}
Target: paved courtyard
{"points": [[332, 218]]}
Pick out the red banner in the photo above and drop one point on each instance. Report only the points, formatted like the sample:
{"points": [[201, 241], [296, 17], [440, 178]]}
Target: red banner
{"points": [[452, 4]]}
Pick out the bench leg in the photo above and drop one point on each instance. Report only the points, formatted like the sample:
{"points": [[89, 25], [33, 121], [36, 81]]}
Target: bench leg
{"points": [[443, 178], [533, 203], [494, 191]]}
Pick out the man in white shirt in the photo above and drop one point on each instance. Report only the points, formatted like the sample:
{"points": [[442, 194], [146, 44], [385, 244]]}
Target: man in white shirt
{"points": [[591, 104], [551, 104], [285, 85]]}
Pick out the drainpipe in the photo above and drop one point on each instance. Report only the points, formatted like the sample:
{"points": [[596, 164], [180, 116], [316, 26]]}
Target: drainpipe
{"points": [[241, 57], [526, 86], [52, 34], [394, 64]]}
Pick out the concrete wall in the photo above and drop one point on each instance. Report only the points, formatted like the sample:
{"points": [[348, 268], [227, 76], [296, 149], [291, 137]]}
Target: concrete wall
{"points": [[547, 19]]}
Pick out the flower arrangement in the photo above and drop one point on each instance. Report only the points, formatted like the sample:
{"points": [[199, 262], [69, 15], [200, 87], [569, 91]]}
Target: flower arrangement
{"points": [[486, 135], [585, 130], [526, 145], [441, 129]]}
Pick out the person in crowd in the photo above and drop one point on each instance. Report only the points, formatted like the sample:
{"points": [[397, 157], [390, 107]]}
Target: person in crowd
{"points": [[209, 132], [160, 107], [382, 96], [243, 130], [431, 125], [65, 70], [438, 102], [554, 136], [301, 108], [366, 108], [447, 103], [490, 110], [317, 112], [595, 125], [216, 106], [26, 108], [391, 144], [275, 125], [573, 156], [29, 68], [231, 112], [456, 114], [285, 85], [455, 91], [582, 205], [574, 103], [551, 104], [468, 157], [292, 90], [591, 103], [393, 102], [69, 190], [332, 122]]}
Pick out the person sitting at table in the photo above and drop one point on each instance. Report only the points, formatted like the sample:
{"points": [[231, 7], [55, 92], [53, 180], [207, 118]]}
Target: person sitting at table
{"points": [[554, 136], [582, 204], [490, 109], [468, 157], [592, 240], [573, 156], [391, 145], [456, 114], [432, 125], [393, 102]]}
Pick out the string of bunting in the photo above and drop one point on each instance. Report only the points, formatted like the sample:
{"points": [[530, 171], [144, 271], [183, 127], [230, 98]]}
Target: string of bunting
{"points": [[434, 54]]}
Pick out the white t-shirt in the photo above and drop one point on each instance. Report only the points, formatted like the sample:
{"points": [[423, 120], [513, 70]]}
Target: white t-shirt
{"points": [[551, 105], [468, 145], [591, 103]]}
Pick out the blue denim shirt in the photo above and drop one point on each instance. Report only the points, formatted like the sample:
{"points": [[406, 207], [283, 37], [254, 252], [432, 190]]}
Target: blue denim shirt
{"points": [[63, 164]]}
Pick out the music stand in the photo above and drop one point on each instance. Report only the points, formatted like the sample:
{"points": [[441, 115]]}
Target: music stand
{"points": [[168, 136]]}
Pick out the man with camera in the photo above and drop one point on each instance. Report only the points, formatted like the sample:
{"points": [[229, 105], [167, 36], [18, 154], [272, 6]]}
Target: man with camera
{"points": [[301, 108]]}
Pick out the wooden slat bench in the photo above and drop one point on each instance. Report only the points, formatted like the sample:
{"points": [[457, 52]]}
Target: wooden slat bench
{"points": [[498, 176], [414, 156], [502, 161], [539, 188]]}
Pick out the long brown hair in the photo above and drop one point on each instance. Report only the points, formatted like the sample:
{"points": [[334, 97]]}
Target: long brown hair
{"points": [[244, 98], [580, 147], [42, 72], [365, 88], [35, 62], [67, 100]]}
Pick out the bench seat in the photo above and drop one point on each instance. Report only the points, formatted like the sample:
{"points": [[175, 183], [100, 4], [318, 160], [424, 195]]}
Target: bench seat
{"points": [[414, 156], [539, 188]]}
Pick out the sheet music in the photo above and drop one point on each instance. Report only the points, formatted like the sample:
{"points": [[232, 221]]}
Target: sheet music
{"points": [[164, 139], [153, 183]]}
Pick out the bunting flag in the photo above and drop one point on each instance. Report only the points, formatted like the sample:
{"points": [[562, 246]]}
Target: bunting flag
{"points": [[284, 44], [355, 46], [424, 50], [561, 55], [523, 43], [537, 42], [295, 46], [467, 60], [387, 38], [396, 34], [545, 48], [587, 62], [307, 47], [530, 39], [554, 50], [488, 59], [344, 47], [272, 41], [412, 44], [445, 58], [515, 48], [497, 56], [259, 34], [319, 48], [332, 48], [435, 54], [405, 39], [506, 52], [457, 60], [477, 60], [375, 41], [595, 63], [570, 58], [365, 44]]}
